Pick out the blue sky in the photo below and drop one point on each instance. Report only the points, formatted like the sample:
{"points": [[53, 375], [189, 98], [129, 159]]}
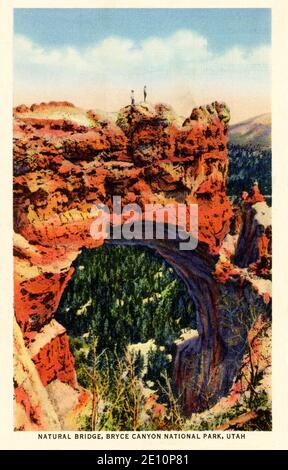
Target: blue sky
{"points": [[185, 56], [223, 27]]}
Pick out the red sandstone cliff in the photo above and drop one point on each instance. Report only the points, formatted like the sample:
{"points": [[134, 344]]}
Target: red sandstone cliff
{"points": [[65, 159]]}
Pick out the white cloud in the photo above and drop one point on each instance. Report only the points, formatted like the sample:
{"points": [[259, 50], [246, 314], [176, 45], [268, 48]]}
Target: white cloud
{"points": [[27, 52], [241, 57], [181, 52]]}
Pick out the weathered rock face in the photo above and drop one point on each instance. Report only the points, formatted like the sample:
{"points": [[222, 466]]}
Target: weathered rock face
{"points": [[255, 241], [33, 409], [65, 160]]}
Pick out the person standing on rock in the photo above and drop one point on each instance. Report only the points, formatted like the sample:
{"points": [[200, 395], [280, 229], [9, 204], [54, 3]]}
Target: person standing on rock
{"points": [[145, 93], [132, 98]]}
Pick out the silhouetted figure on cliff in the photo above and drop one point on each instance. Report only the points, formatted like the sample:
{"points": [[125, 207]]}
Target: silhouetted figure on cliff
{"points": [[145, 93], [132, 98]]}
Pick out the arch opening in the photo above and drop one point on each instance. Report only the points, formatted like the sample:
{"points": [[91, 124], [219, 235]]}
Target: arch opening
{"points": [[127, 311]]}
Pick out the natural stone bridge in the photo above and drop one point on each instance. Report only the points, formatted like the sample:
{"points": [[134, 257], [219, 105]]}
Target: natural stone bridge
{"points": [[65, 160]]}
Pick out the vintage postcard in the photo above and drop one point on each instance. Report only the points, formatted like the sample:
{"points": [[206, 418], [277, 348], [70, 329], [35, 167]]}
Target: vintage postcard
{"points": [[142, 227]]}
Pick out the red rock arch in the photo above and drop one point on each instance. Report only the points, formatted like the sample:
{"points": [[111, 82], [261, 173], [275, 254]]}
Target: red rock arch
{"points": [[62, 166]]}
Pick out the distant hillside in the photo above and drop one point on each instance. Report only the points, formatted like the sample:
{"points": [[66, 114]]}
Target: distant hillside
{"points": [[250, 155], [255, 131]]}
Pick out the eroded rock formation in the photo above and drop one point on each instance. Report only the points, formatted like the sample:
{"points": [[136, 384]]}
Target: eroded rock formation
{"points": [[65, 160]]}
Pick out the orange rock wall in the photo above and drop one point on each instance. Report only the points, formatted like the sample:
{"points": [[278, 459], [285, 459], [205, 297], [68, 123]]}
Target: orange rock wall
{"points": [[62, 166]]}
